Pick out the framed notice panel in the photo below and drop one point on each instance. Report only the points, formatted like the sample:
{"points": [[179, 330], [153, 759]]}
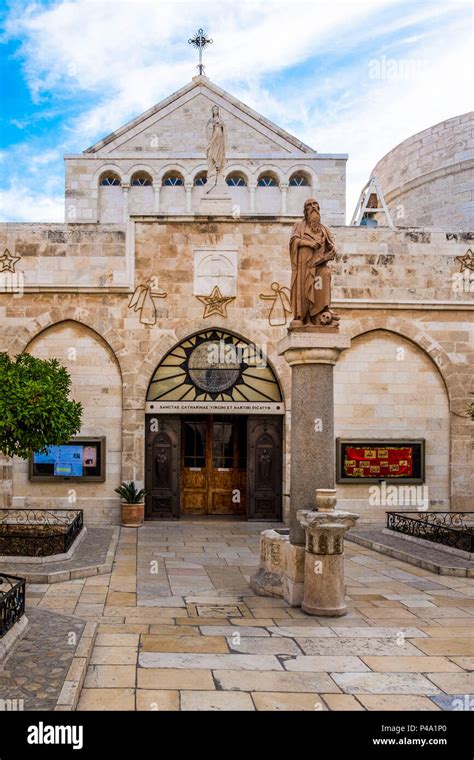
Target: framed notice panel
{"points": [[82, 459], [368, 460]]}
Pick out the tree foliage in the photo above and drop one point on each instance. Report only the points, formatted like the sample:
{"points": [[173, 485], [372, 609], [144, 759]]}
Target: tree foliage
{"points": [[35, 409]]}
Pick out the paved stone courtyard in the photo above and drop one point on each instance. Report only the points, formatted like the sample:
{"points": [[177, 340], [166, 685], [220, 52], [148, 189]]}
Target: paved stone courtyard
{"points": [[180, 629]]}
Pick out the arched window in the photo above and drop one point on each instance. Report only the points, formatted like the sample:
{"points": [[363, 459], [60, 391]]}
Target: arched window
{"points": [[299, 179], [200, 179], [236, 179], [109, 179], [267, 180], [141, 179], [173, 179], [214, 366]]}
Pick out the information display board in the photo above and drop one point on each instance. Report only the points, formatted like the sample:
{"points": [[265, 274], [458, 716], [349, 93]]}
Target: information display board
{"points": [[81, 459]]}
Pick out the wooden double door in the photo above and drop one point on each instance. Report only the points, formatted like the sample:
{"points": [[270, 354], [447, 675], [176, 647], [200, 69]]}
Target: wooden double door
{"points": [[214, 465]]}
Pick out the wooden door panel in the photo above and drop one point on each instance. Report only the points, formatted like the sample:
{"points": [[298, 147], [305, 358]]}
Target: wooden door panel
{"points": [[265, 468], [162, 442]]}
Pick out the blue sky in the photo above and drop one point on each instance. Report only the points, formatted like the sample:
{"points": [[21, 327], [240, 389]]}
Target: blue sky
{"points": [[345, 77]]}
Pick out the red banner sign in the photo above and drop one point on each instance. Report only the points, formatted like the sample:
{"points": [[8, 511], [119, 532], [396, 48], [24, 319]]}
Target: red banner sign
{"points": [[377, 462]]}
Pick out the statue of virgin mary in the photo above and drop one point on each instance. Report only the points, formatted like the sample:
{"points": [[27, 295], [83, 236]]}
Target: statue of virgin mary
{"points": [[216, 136]]}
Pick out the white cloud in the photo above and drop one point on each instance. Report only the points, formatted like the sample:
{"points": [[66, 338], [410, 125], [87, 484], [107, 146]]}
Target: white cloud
{"points": [[20, 204]]}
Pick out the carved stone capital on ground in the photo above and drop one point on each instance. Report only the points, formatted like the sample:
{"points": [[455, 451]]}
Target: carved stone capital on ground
{"points": [[324, 560]]}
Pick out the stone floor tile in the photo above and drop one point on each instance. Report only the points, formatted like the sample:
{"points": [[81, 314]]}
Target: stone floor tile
{"points": [[446, 646], [378, 632], [229, 630], [396, 702], [467, 663], [117, 639], [205, 644], [170, 678], [208, 661], [258, 645], [294, 631], [110, 676], [293, 701], [157, 700], [326, 664], [339, 646], [385, 683], [107, 699], [284, 681], [342, 702], [453, 683], [444, 632], [451, 622], [216, 700], [114, 656], [403, 664]]}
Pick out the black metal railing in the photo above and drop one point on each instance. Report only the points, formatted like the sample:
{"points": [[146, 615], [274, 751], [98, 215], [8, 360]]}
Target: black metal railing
{"points": [[12, 601], [454, 529], [38, 532]]}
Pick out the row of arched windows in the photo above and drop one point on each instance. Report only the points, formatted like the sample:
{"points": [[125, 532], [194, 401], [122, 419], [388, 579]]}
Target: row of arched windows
{"points": [[234, 179]]}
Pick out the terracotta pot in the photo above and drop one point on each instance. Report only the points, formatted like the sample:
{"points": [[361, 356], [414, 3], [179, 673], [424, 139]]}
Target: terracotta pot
{"points": [[132, 515]]}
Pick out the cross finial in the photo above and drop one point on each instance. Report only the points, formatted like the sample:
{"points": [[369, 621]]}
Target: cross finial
{"points": [[200, 40]]}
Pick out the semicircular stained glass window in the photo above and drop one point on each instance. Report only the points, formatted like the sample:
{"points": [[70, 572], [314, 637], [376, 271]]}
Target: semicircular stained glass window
{"points": [[214, 366]]}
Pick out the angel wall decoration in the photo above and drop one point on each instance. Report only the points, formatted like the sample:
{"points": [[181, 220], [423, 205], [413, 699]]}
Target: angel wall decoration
{"points": [[281, 306], [142, 301]]}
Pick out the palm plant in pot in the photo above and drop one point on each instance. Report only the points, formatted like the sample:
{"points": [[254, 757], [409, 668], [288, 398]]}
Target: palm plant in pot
{"points": [[133, 504]]}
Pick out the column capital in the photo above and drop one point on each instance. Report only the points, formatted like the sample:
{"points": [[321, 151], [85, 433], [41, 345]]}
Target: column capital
{"points": [[313, 347]]}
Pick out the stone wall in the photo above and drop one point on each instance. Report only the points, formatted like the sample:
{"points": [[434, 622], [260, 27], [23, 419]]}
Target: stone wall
{"points": [[392, 288], [428, 180]]}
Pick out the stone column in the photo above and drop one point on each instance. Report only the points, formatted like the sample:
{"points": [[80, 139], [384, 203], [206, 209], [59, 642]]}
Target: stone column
{"points": [[284, 189], [156, 188], [189, 189], [125, 189], [252, 189], [324, 561], [311, 356]]}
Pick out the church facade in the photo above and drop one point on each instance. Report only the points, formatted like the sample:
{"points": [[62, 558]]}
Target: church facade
{"points": [[168, 320]]}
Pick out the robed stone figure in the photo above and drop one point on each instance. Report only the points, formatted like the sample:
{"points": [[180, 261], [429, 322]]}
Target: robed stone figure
{"points": [[216, 136], [312, 247]]}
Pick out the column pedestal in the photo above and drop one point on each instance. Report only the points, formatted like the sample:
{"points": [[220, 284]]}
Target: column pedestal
{"points": [[217, 199]]}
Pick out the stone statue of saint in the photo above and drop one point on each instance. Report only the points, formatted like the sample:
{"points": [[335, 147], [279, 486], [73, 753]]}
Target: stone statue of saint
{"points": [[311, 248], [216, 136]]}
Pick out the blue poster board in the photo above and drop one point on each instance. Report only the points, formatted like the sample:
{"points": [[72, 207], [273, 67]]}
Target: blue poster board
{"points": [[66, 460]]}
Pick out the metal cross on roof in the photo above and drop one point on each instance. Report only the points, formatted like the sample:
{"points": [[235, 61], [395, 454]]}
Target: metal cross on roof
{"points": [[200, 40]]}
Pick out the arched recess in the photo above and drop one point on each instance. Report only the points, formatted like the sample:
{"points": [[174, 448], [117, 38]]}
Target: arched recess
{"points": [[96, 381], [268, 197], [110, 201], [238, 179], [215, 365], [173, 196], [386, 387], [141, 194], [412, 331], [298, 193]]}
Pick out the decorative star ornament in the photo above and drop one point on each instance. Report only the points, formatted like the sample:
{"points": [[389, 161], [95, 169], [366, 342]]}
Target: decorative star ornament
{"points": [[466, 261], [216, 303], [7, 261]]}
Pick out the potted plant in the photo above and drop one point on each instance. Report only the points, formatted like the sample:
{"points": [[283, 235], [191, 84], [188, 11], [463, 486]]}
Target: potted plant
{"points": [[133, 504]]}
